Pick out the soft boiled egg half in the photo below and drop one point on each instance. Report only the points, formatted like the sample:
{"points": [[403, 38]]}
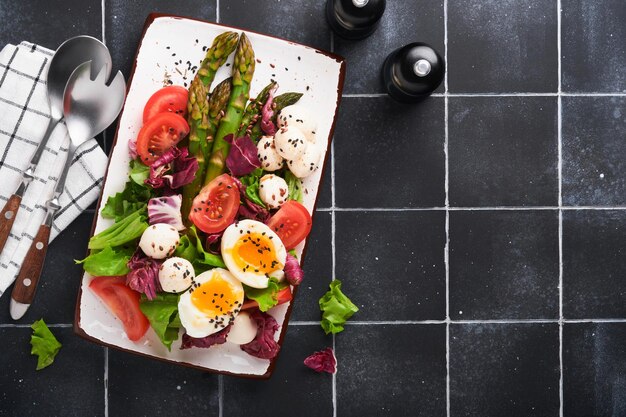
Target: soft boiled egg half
{"points": [[212, 303], [253, 253]]}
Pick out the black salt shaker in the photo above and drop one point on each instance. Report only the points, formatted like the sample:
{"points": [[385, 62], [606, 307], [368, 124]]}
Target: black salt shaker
{"points": [[413, 72], [354, 19]]}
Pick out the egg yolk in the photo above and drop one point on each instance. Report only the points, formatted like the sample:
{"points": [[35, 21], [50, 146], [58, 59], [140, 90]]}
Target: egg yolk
{"points": [[215, 297], [254, 252]]}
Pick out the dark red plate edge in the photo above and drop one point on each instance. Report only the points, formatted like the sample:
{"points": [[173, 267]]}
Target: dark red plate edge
{"points": [[342, 72]]}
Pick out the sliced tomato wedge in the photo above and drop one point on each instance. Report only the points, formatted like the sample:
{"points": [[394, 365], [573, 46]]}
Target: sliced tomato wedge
{"points": [[172, 99], [123, 302], [215, 208], [292, 223], [282, 296], [158, 135]]}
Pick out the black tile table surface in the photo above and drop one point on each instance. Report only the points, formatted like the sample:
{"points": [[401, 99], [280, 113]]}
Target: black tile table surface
{"points": [[482, 232]]}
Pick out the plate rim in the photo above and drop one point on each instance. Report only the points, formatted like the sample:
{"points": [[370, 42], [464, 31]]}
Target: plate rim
{"points": [[78, 330]]}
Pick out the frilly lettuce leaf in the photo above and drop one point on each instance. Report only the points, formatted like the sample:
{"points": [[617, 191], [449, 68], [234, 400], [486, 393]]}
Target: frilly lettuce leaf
{"points": [[44, 344], [336, 309]]}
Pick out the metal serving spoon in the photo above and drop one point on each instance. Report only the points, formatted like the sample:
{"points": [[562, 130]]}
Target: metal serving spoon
{"points": [[89, 106], [66, 59]]}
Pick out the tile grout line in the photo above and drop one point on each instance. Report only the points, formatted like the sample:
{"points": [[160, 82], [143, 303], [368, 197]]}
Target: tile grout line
{"points": [[333, 204], [501, 208], [106, 382], [446, 251], [469, 95], [397, 322], [559, 131], [333, 261], [220, 396]]}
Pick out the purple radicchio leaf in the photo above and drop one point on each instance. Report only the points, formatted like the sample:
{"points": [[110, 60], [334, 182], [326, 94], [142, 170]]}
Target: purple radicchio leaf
{"points": [[144, 275], [172, 170], [293, 271], [132, 149], [322, 361], [242, 158], [263, 346], [166, 210], [267, 112], [205, 342], [213, 243]]}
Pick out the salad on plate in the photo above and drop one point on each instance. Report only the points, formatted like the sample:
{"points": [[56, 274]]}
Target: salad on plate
{"points": [[202, 244]]}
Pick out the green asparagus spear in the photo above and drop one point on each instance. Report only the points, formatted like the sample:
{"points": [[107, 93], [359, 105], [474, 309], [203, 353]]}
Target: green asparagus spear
{"points": [[198, 110], [216, 105], [253, 109], [280, 102], [243, 69]]}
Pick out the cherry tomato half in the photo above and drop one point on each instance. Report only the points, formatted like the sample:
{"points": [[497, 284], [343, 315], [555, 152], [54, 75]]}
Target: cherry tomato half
{"points": [[215, 208], [158, 135]]}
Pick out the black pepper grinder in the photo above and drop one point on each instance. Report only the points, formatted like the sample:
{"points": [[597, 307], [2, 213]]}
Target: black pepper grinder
{"points": [[354, 19], [413, 72]]}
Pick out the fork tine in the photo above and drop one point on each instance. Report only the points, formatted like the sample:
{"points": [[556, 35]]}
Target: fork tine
{"points": [[102, 74]]}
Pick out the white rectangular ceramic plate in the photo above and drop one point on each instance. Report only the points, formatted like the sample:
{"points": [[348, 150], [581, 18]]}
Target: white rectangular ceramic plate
{"points": [[319, 75]]}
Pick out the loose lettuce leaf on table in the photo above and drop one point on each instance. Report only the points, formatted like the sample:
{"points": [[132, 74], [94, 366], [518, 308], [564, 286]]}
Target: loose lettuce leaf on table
{"points": [[265, 297], [336, 309], [108, 261], [162, 313], [44, 344]]}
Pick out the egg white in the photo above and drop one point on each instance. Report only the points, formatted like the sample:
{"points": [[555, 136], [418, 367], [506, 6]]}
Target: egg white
{"points": [[240, 230], [198, 323]]}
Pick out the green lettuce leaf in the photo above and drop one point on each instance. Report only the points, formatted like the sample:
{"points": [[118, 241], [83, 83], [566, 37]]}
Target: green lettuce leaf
{"points": [[266, 297], [134, 196], [108, 261], [162, 313], [190, 248], [139, 172], [336, 309], [44, 344], [251, 181], [295, 187], [126, 230]]}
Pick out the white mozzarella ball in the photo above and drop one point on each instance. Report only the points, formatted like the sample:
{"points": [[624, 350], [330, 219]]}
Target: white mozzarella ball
{"points": [[290, 142], [159, 241], [270, 158], [176, 275], [273, 190], [243, 329], [307, 163], [298, 116]]}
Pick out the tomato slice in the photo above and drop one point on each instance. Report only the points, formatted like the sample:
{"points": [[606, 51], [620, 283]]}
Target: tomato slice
{"points": [[282, 296], [215, 208], [158, 135], [172, 99], [292, 223], [123, 302]]}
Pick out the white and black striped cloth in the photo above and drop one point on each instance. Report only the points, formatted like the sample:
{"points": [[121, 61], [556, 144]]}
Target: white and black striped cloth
{"points": [[24, 116]]}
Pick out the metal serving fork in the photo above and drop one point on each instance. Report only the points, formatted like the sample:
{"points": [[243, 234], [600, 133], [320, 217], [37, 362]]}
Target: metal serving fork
{"points": [[89, 106]]}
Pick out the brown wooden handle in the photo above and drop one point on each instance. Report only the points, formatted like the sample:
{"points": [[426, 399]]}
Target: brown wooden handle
{"points": [[7, 217], [26, 282]]}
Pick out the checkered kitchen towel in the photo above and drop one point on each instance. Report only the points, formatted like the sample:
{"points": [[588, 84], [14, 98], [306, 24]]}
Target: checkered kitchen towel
{"points": [[24, 116]]}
